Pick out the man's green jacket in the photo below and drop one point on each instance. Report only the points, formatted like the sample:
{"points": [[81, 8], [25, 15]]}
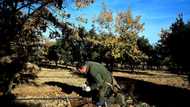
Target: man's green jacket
{"points": [[97, 76]]}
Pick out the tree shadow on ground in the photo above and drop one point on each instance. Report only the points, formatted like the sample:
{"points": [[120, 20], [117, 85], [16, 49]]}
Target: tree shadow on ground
{"points": [[154, 94], [10, 101], [52, 66], [66, 88], [133, 72], [78, 102]]}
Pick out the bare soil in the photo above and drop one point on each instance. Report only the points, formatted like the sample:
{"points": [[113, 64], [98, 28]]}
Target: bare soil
{"points": [[61, 88]]}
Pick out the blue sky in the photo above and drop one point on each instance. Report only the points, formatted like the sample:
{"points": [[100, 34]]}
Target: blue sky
{"points": [[156, 14]]}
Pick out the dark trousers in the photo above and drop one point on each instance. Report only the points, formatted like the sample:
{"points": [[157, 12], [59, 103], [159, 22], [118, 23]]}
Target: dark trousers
{"points": [[101, 96]]}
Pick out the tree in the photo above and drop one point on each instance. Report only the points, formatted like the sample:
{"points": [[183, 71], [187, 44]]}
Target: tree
{"points": [[53, 54], [128, 29], [175, 42], [146, 48], [105, 18], [144, 45], [155, 60], [123, 43], [21, 21]]}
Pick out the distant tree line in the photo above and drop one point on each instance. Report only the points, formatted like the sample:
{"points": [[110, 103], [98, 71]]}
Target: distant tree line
{"points": [[126, 47]]}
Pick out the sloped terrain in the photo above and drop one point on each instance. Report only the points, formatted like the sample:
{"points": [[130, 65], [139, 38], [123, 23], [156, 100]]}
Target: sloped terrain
{"points": [[61, 88]]}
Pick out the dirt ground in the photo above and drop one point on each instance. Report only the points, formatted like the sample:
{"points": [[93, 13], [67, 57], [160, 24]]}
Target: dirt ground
{"points": [[157, 77], [54, 87]]}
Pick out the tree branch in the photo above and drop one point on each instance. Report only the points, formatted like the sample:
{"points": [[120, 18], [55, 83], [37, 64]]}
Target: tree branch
{"points": [[29, 15], [23, 6]]}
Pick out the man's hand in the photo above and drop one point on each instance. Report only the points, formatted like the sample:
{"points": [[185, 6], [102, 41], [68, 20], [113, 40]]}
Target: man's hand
{"points": [[86, 88]]}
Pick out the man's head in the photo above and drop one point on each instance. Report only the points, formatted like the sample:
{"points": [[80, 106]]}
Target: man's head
{"points": [[82, 68]]}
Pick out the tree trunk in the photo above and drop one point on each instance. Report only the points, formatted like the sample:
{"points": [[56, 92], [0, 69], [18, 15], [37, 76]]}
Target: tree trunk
{"points": [[8, 88], [132, 67], [56, 63], [9, 84]]}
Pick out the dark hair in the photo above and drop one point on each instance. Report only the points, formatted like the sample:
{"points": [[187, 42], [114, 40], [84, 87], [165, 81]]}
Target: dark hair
{"points": [[79, 64]]}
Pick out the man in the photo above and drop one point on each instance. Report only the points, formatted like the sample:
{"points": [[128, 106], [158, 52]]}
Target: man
{"points": [[99, 82]]}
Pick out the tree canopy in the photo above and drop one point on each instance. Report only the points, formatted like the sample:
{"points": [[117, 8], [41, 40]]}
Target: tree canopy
{"points": [[22, 24], [174, 43]]}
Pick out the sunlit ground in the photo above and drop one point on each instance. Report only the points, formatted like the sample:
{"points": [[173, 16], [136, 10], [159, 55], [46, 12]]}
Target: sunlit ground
{"points": [[38, 88], [157, 77]]}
